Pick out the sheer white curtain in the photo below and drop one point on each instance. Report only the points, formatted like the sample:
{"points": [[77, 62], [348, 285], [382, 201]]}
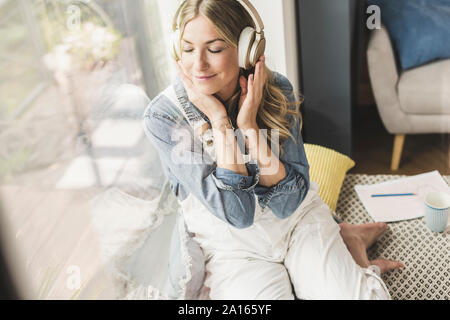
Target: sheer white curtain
{"points": [[80, 136], [166, 12]]}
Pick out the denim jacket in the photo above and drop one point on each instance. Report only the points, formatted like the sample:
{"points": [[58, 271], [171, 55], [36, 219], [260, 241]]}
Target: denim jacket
{"points": [[226, 194]]}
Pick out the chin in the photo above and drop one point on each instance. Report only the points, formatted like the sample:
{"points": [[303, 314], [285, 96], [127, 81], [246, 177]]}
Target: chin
{"points": [[207, 89]]}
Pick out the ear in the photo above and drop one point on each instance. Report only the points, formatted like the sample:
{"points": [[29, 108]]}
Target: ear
{"points": [[243, 82]]}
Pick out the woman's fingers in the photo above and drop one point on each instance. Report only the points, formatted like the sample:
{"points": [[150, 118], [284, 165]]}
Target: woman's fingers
{"points": [[259, 78], [263, 69], [181, 72], [250, 85], [258, 70], [243, 84], [186, 81]]}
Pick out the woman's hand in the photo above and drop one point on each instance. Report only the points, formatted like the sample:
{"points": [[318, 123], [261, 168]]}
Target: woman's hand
{"points": [[208, 104], [251, 96]]}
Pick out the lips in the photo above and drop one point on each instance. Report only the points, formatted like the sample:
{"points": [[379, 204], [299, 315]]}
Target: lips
{"points": [[204, 77]]}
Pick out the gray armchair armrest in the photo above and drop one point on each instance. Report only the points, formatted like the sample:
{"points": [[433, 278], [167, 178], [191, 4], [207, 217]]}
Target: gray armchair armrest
{"points": [[384, 77]]}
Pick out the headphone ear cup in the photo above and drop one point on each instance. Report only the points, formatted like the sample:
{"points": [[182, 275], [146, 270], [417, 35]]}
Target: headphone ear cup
{"points": [[246, 39], [176, 51], [257, 50]]}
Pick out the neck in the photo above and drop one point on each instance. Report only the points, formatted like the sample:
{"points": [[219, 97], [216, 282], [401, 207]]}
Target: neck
{"points": [[229, 90], [227, 93]]}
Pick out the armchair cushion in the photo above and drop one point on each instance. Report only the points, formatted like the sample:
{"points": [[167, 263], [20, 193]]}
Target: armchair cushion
{"points": [[419, 29], [426, 90]]}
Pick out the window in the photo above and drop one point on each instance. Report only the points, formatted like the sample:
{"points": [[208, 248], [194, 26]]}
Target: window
{"points": [[76, 78]]}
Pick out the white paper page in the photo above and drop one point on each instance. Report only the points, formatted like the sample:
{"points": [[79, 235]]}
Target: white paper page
{"points": [[397, 208]]}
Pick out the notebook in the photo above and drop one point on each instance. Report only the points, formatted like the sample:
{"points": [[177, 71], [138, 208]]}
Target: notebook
{"points": [[398, 208]]}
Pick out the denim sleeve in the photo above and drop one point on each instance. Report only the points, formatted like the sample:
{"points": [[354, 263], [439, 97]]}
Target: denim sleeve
{"points": [[227, 179], [285, 197], [227, 195]]}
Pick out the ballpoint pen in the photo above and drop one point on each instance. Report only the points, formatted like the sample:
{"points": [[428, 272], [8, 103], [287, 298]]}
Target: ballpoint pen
{"points": [[392, 194]]}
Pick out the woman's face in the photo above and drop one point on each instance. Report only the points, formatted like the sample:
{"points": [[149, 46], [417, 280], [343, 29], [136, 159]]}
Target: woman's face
{"points": [[210, 62]]}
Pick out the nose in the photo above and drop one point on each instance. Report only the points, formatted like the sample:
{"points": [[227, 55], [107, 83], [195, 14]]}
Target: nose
{"points": [[201, 62]]}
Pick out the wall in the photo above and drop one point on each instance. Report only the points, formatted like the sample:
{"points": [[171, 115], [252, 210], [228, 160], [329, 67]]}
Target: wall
{"points": [[330, 33], [280, 31]]}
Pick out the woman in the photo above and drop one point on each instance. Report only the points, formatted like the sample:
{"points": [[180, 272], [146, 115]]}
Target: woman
{"points": [[261, 224]]}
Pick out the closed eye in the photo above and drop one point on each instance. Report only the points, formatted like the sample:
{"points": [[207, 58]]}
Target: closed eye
{"points": [[212, 51]]}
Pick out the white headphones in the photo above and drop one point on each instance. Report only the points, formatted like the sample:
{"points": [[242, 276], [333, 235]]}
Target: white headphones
{"points": [[252, 42]]}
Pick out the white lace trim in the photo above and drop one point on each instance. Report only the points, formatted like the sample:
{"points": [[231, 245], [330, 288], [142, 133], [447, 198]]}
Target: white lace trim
{"points": [[117, 247], [145, 293]]}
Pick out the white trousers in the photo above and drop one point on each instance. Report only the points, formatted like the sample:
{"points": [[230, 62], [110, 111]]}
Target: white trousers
{"points": [[309, 260]]}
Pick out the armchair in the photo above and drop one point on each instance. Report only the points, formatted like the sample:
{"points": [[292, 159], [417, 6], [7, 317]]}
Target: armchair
{"points": [[413, 101]]}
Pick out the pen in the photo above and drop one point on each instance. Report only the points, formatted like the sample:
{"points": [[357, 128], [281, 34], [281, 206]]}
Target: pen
{"points": [[392, 194]]}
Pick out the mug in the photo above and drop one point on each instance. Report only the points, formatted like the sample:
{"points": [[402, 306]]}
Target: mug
{"points": [[437, 206]]}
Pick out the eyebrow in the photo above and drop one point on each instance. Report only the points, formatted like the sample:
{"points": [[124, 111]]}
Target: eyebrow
{"points": [[207, 42]]}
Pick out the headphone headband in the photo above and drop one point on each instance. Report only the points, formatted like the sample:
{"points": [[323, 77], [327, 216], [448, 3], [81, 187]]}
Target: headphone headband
{"points": [[244, 3], [177, 13], [254, 14]]}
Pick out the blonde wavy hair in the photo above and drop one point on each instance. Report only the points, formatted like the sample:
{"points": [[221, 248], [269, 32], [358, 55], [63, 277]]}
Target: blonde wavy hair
{"points": [[229, 18]]}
